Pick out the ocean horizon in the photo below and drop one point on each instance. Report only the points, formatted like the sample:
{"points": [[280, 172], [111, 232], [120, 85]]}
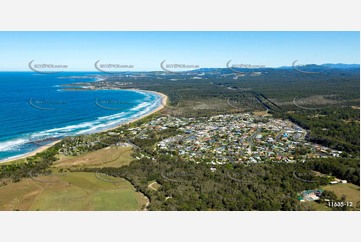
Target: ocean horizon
{"points": [[37, 109]]}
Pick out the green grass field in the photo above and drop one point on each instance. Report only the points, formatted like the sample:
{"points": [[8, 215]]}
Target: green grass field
{"points": [[75, 191]]}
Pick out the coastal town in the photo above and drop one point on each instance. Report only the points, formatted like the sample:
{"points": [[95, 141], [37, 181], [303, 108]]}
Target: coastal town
{"points": [[238, 138]]}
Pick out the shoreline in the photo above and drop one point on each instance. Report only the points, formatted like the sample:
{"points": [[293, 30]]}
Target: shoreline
{"points": [[32, 153], [164, 100]]}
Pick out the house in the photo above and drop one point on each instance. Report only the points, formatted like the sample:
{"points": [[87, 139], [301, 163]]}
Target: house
{"points": [[310, 195], [259, 136]]}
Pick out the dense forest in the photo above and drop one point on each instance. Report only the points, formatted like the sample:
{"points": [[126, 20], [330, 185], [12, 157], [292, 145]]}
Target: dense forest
{"points": [[343, 168], [190, 186]]}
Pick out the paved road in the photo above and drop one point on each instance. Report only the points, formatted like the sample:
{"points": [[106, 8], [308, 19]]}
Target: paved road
{"points": [[250, 139]]}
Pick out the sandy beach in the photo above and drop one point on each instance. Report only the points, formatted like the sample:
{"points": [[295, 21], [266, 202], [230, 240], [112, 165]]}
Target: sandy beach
{"points": [[164, 100], [40, 149]]}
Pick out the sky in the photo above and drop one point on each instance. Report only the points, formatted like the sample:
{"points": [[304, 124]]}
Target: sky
{"points": [[146, 50]]}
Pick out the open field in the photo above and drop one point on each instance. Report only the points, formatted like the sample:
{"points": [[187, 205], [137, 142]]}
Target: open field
{"points": [[200, 106], [260, 113], [72, 191], [319, 206], [107, 157], [351, 191], [153, 185]]}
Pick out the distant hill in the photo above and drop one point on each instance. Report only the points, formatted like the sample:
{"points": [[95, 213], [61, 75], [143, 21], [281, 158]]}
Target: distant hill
{"points": [[341, 66], [327, 65], [309, 67]]}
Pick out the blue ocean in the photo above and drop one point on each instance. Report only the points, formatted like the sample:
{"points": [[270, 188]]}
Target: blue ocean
{"points": [[36, 107]]}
